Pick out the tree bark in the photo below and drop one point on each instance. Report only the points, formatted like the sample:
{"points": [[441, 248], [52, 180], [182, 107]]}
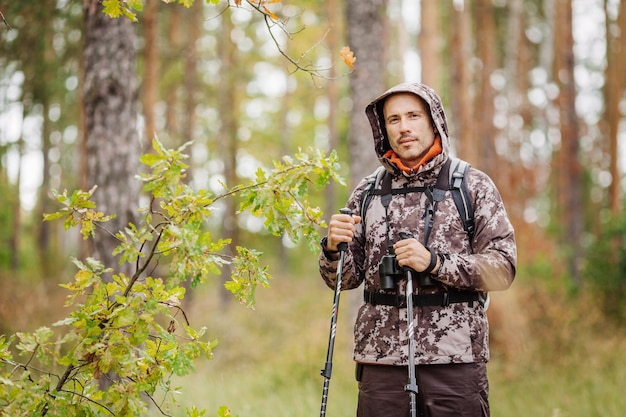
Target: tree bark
{"points": [[227, 138], [334, 22], [461, 99], [430, 44], [486, 52], [614, 89], [150, 87], [190, 78], [569, 173], [365, 22], [171, 88], [110, 105]]}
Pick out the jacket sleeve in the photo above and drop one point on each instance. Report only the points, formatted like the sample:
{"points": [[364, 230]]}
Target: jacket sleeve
{"points": [[489, 263], [352, 274]]}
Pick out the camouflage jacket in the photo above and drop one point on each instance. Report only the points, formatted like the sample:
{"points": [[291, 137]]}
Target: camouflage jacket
{"points": [[457, 333]]}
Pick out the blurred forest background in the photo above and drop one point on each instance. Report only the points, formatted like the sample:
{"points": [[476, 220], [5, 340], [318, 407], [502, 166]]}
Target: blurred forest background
{"points": [[534, 93]]}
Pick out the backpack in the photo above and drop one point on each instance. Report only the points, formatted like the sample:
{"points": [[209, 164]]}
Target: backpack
{"points": [[452, 177]]}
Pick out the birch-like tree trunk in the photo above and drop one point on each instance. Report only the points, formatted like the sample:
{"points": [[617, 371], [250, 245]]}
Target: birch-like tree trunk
{"points": [[111, 137]]}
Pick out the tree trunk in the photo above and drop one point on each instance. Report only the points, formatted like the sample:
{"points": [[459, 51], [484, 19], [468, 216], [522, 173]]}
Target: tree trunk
{"points": [[42, 92], [486, 52], [511, 175], [190, 79], [227, 138], [614, 89], [334, 23], [174, 45], [364, 21], [150, 87], [461, 100], [15, 238], [112, 140], [569, 173], [430, 44]]}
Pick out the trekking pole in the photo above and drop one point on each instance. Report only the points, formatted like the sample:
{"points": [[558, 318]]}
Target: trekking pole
{"points": [[328, 368], [411, 387]]}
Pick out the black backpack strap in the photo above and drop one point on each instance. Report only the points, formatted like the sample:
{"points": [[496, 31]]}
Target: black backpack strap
{"points": [[435, 195], [443, 182], [452, 177], [372, 180], [456, 177]]}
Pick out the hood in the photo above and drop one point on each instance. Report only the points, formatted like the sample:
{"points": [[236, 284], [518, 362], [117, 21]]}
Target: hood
{"points": [[374, 112]]}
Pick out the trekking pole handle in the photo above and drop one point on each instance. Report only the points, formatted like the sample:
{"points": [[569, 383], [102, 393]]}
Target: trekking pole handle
{"points": [[343, 246], [406, 235]]}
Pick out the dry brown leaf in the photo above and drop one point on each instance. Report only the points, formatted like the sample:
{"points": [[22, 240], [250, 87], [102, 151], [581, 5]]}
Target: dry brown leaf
{"points": [[348, 56]]}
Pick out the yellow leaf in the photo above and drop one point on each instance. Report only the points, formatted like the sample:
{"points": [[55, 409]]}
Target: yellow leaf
{"points": [[270, 14], [348, 56]]}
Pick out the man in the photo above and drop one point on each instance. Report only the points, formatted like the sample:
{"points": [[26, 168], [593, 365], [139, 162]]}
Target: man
{"points": [[450, 325]]}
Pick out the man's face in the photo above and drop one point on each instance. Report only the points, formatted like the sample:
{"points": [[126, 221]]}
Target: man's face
{"points": [[409, 128]]}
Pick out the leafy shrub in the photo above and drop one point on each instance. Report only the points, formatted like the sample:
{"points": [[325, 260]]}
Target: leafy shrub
{"points": [[128, 336]]}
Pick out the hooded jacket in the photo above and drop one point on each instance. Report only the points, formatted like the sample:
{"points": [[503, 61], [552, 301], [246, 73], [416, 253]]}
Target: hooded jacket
{"points": [[457, 333]]}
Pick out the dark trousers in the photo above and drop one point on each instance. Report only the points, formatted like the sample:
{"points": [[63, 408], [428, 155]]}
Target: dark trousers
{"points": [[453, 390]]}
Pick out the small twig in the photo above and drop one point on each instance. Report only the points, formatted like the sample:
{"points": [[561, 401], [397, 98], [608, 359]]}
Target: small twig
{"points": [[303, 209], [5, 21], [90, 400], [144, 267], [237, 190], [156, 405], [179, 310], [270, 23]]}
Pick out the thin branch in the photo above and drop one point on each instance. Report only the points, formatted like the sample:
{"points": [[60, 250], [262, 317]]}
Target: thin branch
{"points": [[90, 400], [101, 227], [155, 404], [5, 21], [178, 308], [144, 267], [64, 378], [237, 190], [311, 69], [303, 209], [151, 399]]}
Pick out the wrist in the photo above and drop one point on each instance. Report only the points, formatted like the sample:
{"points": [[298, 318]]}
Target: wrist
{"points": [[440, 260], [329, 253], [434, 262]]}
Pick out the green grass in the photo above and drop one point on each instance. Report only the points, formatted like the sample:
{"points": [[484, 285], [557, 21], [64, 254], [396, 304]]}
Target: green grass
{"points": [[268, 360], [587, 381], [553, 354]]}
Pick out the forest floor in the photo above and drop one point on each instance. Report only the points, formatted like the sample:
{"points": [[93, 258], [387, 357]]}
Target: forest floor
{"points": [[552, 354]]}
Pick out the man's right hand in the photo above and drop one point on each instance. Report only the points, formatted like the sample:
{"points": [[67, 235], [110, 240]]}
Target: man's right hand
{"points": [[340, 229]]}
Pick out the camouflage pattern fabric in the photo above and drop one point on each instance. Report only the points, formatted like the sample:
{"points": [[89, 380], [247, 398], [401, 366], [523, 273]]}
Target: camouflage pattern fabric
{"points": [[457, 333]]}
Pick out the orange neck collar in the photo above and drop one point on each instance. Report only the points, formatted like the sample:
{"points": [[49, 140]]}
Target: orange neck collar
{"points": [[434, 150]]}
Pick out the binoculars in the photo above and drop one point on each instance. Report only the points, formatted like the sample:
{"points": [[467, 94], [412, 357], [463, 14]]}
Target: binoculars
{"points": [[389, 272]]}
